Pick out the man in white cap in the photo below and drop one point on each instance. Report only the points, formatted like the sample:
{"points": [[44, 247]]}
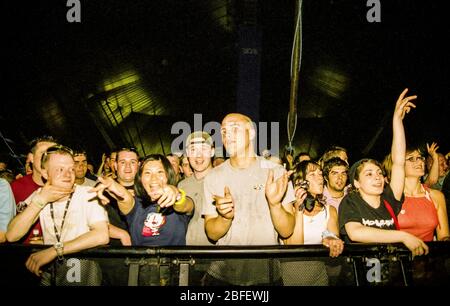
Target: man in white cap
{"points": [[199, 151]]}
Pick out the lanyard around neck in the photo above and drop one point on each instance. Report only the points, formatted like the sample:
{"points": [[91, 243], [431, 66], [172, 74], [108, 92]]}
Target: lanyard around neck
{"points": [[58, 234]]}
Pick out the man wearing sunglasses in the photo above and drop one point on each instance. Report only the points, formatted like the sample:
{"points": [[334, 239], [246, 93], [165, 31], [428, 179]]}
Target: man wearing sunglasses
{"points": [[71, 220]]}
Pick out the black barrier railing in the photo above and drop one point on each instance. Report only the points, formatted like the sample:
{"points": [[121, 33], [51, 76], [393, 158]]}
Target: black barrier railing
{"points": [[358, 265]]}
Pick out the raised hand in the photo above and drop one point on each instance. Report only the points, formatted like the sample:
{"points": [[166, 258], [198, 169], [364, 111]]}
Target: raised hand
{"points": [[50, 193], [404, 105], [168, 196], [225, 204], [275, 189], [109, 185], [300, 195], [432, 150]]}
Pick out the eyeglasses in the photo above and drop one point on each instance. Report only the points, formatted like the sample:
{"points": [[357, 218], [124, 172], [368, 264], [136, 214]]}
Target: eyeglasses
{"points": [[413, 159]]}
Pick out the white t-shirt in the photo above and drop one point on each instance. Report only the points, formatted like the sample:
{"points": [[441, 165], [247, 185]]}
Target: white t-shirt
{"points": [[81, 215]]}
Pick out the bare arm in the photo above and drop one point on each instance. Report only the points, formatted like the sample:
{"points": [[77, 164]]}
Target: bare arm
{"points": [[333, 225], [100, 168], [398, 150], [297, 236], [124, 199], [98, 235], [118, 233], [433, 175], [360, 233], [335, 244], [217, 227], [21, 223], [442, 230], [282, 215]]}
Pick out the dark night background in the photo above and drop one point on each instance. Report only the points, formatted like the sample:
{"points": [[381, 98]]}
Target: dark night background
{"points": [[153, 63]]}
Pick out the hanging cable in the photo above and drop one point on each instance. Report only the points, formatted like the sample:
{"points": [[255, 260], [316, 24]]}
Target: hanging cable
{"points": [[12, 153], [296, 55]]}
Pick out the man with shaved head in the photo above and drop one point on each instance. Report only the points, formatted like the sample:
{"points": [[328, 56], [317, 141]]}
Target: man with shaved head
{"points": [[246, 204]]}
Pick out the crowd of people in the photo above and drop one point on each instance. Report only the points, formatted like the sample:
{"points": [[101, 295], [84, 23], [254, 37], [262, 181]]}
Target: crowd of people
{"points": [[245, 200]]}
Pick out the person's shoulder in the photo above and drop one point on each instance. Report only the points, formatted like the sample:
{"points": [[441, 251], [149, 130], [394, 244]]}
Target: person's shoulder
{"points": [[219, 170], [3, 183], [436, 194], [21, 181], [270, 165], [186, 181], [350, 199]]}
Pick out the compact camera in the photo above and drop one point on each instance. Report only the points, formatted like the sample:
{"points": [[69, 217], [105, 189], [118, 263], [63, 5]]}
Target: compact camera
{"points": [[310, 200]]}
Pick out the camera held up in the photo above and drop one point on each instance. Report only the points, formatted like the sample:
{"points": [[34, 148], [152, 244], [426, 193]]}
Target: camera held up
{"points": [[310, 200]]}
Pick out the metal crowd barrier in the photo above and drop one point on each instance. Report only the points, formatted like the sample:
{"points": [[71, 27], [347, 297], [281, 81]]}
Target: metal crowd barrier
{"points": [[358, 265]]}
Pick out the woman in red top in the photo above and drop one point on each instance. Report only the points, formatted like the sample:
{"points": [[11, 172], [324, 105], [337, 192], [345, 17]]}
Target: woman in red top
{"points": [[424, 212]]}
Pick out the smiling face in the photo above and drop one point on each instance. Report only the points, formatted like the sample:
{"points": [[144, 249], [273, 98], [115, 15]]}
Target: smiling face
{"points": [[59, 170], [154, 178], [199, 156], [127, 165], [370, 180]]}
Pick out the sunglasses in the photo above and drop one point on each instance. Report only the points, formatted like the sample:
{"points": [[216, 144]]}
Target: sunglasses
{"points": [[59, 149]]}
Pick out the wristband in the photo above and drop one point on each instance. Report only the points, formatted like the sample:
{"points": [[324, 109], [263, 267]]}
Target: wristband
{"points": [[328, 234], [181, 197], [38, 203]]}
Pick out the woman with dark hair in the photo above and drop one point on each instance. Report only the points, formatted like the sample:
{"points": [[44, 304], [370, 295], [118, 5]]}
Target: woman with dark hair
{"points": [[160, 212], [315, 223], [369, 213]]}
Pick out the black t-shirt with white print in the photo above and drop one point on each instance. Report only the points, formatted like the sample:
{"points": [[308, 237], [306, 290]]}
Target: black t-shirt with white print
{"points": [[354, 209]]}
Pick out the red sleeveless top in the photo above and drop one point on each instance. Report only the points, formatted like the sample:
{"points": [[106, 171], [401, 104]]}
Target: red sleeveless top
{"points": [[419, 216]]}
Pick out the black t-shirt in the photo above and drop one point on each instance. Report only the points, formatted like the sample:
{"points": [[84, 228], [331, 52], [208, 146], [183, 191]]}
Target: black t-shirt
{"points": [[354, 209], [115, 217]]}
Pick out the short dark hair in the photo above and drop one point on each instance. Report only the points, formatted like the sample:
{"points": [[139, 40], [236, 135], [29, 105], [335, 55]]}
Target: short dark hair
{"points": [[170, 173], [333, 162], [127, 149]]}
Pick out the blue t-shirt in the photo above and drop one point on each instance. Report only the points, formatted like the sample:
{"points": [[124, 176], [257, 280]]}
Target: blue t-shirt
{"points": [[149, 228]]}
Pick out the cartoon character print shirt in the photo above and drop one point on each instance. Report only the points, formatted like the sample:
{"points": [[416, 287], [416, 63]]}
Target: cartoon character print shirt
{"points": [[148, 227]]}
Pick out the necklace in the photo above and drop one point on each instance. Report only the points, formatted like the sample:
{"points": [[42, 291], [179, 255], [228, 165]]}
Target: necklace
{"points": [[58, 234]]}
